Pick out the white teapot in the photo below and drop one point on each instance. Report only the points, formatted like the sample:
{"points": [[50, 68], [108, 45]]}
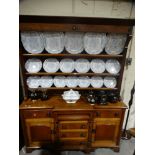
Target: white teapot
{"points": [[71, 96]]}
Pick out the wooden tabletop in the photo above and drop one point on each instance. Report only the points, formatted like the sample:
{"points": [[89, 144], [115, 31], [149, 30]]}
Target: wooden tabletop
{"points": [[57, 103]]}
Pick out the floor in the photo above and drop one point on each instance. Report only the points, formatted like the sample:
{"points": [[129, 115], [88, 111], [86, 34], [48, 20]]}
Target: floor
{"points": [[126, 148]]}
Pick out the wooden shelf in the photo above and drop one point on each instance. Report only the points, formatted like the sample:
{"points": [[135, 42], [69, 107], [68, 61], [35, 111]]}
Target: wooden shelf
{"points": [[76, 88], [72, 74], [73, 55]]}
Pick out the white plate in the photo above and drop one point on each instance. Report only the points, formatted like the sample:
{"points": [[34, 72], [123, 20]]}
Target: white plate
{"points": [[113, 66], [110, 82], [60, 81], [115, 43], [46, 81], [54, 42], [33, 81], [67, 65], [96, 81], [33, 42], [97, 66], [72, 81], [51, 65], [84, 81], [74, 42], [94, 43], [33, 65], [82, 65]]}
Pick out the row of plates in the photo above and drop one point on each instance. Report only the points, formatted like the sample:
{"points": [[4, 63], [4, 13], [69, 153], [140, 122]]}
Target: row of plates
{"points": [[71, 81], [73, 42], [67, 65]]}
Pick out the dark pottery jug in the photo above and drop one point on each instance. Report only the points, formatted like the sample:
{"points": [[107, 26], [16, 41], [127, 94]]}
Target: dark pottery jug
{"points": [[102, 97], [91, 97], [44, 96], [113, 97], [33, 95]]}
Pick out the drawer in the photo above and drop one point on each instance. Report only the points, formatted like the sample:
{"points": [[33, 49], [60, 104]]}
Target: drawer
{"points": [[73, 125], [37, 113], [73, 135], [111, 113], [76, 117]]}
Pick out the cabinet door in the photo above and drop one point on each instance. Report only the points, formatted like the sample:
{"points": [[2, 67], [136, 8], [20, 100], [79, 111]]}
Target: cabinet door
{"points": [[105, 132], [39, 131]]}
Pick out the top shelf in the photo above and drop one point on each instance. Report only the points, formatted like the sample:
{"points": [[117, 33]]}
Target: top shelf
{"points": [[73, 55]]}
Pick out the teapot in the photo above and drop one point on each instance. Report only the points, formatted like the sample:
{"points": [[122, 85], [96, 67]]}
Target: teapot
{"points": [[33, 95], [91, 97], [102, 98], [113, 97]]}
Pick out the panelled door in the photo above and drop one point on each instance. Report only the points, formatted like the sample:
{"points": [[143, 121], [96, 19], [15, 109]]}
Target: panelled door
{"points": [[105, 132], [40, 131]]}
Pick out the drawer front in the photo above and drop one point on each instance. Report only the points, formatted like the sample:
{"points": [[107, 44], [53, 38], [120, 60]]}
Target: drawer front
{"points": [[111, 113], [73, 125], [37, 113], [73, 117], [75, 136]]}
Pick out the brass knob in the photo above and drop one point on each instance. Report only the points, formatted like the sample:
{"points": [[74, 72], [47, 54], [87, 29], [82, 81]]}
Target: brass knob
{"points": [[82, 126], [34, 115], [74, 28], [82, 135], [98, 113], [82, 143], [49, 114], [116, 114]]}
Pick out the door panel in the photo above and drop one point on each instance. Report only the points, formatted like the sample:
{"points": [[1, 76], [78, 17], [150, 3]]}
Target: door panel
{"points": [[39, 131], [105, 131]]}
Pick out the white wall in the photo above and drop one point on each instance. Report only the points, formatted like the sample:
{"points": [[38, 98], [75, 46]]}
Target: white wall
{"points": [[82, 8], [91, 8], [128, 82]]}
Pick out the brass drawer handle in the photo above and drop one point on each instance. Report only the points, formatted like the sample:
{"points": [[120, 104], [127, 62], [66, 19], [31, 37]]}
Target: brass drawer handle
{"points": [[116, 114], [34, 114], [48, 114], [82, 143], [74, 28], [83, 126], [98, 114], [82, 135]]}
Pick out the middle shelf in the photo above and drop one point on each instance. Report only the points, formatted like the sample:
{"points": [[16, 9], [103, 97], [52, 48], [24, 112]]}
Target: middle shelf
{"points": [[84, 74], [73, 55]]}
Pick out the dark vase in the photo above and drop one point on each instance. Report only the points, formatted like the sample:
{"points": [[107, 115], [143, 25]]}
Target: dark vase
{"points": [[102, 97], [33, 95], [44, 96], [113, 97], [91, 97]]}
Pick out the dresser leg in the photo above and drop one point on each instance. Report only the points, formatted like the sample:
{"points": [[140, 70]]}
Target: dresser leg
{"points": [[87, 151], [116, 149], [28, 150]]}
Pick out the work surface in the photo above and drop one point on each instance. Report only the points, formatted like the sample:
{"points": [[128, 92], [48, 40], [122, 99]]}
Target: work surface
{"points": [[57, 103]]}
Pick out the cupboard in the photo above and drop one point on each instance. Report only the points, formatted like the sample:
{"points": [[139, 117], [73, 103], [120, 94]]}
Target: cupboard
{"points": [[79, 126]]}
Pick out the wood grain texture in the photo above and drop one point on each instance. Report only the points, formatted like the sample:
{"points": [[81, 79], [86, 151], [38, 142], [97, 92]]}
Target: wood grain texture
{"points": [[57, 103], [77, 126]]}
